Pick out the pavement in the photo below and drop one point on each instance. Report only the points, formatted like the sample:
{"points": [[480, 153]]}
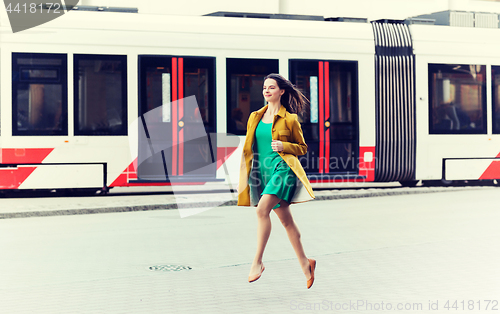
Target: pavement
{"points": [[427, 253], [22, 205]]}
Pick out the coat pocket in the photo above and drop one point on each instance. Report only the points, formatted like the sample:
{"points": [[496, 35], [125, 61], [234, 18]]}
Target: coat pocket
{"points": [[283, 135]]}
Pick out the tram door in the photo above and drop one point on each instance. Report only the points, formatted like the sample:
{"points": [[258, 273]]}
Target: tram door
{"points": [[174, 127], [329, 123]]}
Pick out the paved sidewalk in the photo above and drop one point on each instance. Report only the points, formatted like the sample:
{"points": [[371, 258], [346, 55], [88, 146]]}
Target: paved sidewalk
{"points": [[428, 253], [146, 199]]}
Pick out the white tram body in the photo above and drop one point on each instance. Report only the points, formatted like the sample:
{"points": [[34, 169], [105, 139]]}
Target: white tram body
{"points": [[148, 54], [466, 156]]}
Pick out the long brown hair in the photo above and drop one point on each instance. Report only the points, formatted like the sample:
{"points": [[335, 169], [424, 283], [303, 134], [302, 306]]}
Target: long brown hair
{"points": [[293, 100]]}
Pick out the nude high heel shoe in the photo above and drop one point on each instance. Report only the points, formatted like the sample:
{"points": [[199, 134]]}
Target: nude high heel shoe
{"points": [[254, 278], [312, 267]]}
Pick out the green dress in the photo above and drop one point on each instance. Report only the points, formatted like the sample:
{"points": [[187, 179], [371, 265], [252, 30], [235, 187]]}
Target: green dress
{"points": [[275, 175]]}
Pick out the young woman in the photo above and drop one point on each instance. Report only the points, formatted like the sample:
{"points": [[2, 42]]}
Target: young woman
{"points": [[271, 176]]}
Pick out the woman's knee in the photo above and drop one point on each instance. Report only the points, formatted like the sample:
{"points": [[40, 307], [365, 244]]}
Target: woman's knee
{"points": [[262, 212], [287, 221]]}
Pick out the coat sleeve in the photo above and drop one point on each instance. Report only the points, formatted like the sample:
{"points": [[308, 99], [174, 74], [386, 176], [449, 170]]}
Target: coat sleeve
{"points": [[243, 179], [297, 146]]}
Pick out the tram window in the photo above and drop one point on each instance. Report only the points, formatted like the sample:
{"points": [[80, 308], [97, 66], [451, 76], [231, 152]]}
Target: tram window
{"points": [[495, 79], [160, 87], [245, 78], [341, 95], [457, 99], [39, 94], [100, 94], [199, 80]]}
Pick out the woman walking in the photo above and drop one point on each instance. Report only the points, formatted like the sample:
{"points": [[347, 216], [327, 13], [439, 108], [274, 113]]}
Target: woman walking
{"points": [[271, 176]]}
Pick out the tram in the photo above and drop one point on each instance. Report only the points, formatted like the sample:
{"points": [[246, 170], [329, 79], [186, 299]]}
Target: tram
{"points": [[87, 96]]}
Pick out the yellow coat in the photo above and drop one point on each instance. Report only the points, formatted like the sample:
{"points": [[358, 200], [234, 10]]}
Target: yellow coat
{"points": [[285, 128]]}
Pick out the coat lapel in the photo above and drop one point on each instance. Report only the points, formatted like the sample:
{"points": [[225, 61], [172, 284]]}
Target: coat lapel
{"points": [[255, 122]]}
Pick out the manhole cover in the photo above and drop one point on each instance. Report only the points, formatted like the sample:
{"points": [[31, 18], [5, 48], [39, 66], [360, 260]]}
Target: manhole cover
{"points": [[169, 268]]}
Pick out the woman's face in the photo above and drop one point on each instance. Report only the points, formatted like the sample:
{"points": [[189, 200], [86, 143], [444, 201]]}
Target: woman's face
{"points": [[272, 93]]}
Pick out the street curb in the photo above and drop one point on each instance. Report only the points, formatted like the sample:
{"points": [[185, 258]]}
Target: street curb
{"points": [[138, 208]]}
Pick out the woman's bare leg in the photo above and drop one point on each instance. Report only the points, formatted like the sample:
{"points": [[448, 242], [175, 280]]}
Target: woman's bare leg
{"points": [[266, 204], [293, 233]]}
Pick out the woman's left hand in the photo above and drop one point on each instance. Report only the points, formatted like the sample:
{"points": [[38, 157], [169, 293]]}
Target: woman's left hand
{"points": [[277, 146]]}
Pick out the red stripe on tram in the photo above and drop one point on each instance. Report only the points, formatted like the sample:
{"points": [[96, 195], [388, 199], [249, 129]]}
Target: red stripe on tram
{"points": [[327, 116], [493, 170], [174, 117], [321, 125], [181, 115]]}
